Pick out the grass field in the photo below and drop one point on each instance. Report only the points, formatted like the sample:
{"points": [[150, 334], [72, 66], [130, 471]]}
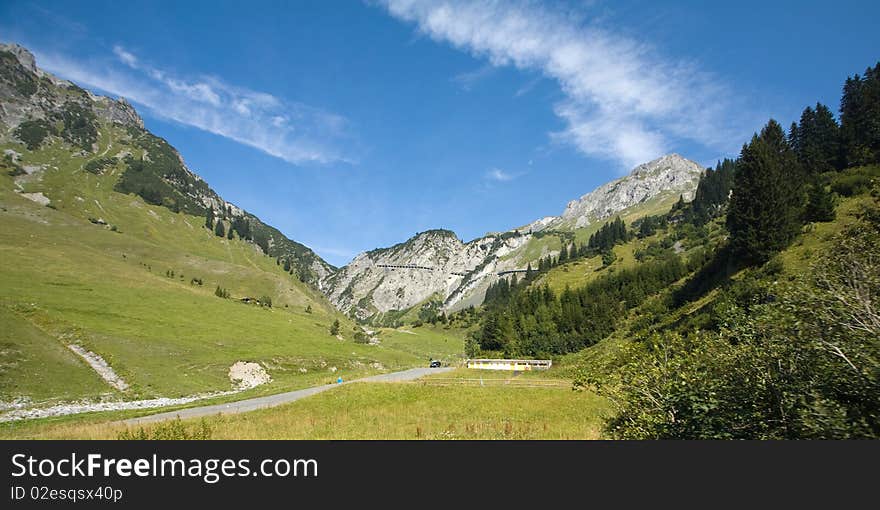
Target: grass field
{"points": [[389, 411]]}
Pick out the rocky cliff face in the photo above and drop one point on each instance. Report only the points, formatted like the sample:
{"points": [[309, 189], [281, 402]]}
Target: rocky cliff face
{"points": [[29, 93], [671, 174], [38, 108], [434, 264], [437, 266]]}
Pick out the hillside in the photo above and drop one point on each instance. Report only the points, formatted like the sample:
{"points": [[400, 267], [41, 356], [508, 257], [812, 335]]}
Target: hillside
{"points": [[436, 272], [40, 109], [95, 272]]}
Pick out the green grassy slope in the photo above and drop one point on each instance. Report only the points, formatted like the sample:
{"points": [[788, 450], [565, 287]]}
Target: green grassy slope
{"points": [[65, 279]]}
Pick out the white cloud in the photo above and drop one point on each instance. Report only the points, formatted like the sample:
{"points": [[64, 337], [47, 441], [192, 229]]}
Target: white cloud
{"points": [[291, 131], [499, 175], [623, 102], [126, 57]]}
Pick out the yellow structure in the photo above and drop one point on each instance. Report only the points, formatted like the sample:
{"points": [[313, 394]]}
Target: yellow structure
{"points": [[515, 365]]}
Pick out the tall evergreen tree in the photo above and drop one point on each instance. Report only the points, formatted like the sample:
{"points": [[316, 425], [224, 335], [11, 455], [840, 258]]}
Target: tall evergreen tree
{"points": [[816, 140], [860, 118], [767, 203], [219, 231]]}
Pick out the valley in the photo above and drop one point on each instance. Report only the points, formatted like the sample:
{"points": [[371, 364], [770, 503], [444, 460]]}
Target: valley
{"points": [[669, 299]]}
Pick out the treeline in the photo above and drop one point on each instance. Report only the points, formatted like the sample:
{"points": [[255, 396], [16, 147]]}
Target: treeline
{"points": [[522, 320], [159, 179]]}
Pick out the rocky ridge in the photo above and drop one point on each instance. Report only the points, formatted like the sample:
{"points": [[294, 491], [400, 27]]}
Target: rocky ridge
{"points": [[35, 98], [435, 266]]}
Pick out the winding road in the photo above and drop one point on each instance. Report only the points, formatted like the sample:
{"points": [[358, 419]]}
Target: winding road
{"points": [[252, 404]]}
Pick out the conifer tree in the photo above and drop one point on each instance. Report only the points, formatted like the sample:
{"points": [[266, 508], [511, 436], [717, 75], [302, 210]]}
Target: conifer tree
{"points": [[767, 203], [820, 204], [219, 231], [860, 118]]}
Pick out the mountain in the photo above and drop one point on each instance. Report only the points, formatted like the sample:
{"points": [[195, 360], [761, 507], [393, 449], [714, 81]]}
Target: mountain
{"points": [[670, 175], [38, 108], [437, 271], [117, 289]]}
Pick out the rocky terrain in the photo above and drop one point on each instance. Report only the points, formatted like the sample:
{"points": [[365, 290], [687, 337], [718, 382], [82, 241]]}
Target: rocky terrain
{"points": [[437, 269], [37, 107], [670, 174]]}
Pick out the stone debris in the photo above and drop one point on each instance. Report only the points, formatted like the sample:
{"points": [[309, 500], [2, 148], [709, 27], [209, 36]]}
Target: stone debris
{"points": [[245, 375], [100, 366]]}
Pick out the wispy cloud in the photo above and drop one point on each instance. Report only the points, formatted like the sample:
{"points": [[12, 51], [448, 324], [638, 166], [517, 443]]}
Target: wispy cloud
{"points": [[623, 101], [469, 79], [528, 86], [499, 175], [288, 130]]}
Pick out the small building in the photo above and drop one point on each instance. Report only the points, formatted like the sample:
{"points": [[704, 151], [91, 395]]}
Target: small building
{"points": [[514, 365]]}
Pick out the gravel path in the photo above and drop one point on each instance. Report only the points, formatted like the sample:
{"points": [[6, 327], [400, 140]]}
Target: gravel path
{"points": [[252, 404]]}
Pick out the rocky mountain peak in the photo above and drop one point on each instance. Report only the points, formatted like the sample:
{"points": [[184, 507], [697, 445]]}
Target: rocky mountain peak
{"points": [[23, 55], [670, 174], [28, 92]]}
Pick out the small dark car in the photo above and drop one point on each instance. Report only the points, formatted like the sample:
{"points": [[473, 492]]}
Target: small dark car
{"points": [[435, 364]]}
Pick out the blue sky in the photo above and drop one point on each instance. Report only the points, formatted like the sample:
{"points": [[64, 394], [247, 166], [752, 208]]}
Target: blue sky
{"points": [[353, 125]]}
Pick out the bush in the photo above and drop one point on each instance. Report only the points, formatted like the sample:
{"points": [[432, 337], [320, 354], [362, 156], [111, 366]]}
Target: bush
{"points": [[33, 132], [96, 166], [172, 430], [80, 125], [855, 181]]}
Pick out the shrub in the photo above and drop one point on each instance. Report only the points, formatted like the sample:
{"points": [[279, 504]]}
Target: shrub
{"points": [[33, 133], [96, 166], [172, 430], [80, 125]]}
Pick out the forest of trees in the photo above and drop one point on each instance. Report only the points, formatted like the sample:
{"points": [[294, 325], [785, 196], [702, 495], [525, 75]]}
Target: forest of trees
{"points": [[769, 357], [761, 356], [524, 320]]}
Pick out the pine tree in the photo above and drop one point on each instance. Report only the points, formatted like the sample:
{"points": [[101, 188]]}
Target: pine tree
{"points": [[767, 203], [219, 231], [229, 233], [334, 328], [209, 219], [860, 118], [820, 204], [816, 140]]}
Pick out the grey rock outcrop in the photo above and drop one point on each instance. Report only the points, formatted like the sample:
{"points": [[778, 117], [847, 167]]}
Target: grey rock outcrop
{"points": [[437, 266], [670, 174], [28, 92]]}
